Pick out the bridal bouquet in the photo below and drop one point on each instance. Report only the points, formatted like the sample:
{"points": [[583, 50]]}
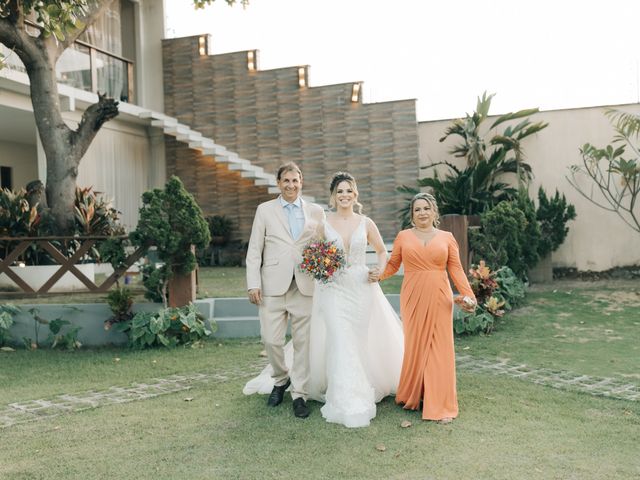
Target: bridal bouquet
{"points": [[322, 260]]}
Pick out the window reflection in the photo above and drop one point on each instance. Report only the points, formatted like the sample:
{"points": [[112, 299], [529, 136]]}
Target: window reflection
{"points": [[74, 67]]}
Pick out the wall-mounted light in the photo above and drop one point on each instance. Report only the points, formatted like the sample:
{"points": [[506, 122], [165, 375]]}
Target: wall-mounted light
{"points": [[251, 60], [355, 93], [302, 77], [21, 264], [202, 45]]}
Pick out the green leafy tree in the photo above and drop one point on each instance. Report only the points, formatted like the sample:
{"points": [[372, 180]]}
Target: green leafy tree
{"points": [[613, 172], [171, 220], [553, 213], [509, 235], [60, 23]]}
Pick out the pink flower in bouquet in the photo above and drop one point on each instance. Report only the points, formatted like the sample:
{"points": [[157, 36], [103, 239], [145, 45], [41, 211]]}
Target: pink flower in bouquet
{"points": [[322, 260]]}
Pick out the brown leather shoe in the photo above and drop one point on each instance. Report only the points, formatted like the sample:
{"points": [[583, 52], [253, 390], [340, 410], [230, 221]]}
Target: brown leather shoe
{"points": [[277, 394], [300, 408]]}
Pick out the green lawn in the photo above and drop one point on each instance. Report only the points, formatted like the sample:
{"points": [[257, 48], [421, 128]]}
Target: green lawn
{"points": [[586, 327], [507, 429]]}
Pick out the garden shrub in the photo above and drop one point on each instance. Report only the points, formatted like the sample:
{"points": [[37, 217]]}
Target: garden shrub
{"points": [[7, 312], [509, 235], [22, 216], [553, 214], [167, 327], [171, 220], [496, 292]]}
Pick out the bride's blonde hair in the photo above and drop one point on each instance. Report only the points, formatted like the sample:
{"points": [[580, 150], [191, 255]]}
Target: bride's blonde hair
{"points": [[335, 181]]}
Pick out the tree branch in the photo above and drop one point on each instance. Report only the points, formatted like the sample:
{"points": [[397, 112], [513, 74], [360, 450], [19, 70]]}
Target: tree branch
{"points": [[8, 34], [92, 119]]}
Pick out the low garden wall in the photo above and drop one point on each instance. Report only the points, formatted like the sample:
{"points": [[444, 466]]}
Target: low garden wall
{"points": [[234, 318]]}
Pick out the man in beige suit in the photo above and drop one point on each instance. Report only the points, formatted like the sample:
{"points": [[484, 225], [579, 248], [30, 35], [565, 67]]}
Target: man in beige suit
{"points": [[281, 228]]}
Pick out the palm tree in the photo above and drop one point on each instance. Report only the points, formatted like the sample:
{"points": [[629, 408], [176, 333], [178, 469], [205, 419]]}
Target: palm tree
{"points": [[481, 184]]}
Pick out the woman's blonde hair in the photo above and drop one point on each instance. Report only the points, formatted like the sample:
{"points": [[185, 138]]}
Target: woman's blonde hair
{"points": [[335, 181], [430, 199]]}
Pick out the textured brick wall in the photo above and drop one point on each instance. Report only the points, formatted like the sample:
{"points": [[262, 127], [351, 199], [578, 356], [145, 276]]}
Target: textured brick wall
{"points": [[268, 119]]}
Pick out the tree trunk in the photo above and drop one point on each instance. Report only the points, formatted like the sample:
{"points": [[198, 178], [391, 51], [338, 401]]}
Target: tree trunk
{"points": [[63, 147], [182, 289]]}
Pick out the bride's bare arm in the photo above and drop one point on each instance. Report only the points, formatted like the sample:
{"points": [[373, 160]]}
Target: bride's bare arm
{"points": [[375, 240]]}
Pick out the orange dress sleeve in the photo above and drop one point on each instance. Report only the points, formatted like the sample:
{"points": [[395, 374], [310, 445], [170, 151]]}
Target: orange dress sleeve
{"points": [[393, 265], [454, 267]]}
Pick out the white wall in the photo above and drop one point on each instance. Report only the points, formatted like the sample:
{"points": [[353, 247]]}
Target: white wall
{"points": [[597, 240], [118, 164], [149, 35], [22, 158]]}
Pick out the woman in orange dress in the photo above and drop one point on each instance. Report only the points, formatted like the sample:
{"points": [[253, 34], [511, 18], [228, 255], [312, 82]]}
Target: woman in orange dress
{"points": [[426, 308]]}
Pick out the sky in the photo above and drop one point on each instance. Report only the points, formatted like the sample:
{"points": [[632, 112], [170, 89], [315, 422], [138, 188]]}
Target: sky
{"points": [[550, 54]]}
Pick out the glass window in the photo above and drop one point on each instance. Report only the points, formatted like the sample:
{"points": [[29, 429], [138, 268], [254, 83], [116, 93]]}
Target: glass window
{"points": [[112, 76], [74, 67]]}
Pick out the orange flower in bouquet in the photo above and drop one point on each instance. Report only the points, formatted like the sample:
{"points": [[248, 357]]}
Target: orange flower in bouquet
{"points": [[322, 260]]}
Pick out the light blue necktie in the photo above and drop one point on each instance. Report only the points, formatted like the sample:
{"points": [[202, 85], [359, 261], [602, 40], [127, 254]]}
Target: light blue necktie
{"points": [[294, 225]]}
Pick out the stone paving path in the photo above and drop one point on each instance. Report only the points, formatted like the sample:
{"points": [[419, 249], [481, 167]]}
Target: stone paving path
{"points": [[22, 412], [598, 386], [31, 410]]}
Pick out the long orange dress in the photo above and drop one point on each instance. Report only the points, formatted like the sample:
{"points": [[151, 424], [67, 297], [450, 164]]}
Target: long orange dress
{"points": [[426, 308]]}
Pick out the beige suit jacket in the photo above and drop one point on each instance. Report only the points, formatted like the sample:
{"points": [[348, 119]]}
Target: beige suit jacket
{"points": [[273, 255]]}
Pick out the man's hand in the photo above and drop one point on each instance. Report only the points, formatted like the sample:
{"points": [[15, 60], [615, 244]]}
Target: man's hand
{"points": [[255, 296]]}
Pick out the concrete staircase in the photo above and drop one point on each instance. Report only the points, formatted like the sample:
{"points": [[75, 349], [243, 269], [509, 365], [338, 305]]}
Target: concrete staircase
{"points": [[195, 140]]}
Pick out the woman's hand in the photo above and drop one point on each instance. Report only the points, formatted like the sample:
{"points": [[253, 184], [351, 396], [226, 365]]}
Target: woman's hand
{"points": [[466, 303], [374, 274]]}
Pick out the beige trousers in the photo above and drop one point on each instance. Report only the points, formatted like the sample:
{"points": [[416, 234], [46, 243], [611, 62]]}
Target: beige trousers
{"points": [[275, 313]]}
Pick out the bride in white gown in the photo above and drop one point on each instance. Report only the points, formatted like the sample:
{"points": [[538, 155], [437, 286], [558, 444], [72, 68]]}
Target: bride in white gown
{"points": [[356, 337]]}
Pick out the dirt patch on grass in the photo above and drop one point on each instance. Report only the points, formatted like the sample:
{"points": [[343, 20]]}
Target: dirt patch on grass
{"points": [[619, 298]]}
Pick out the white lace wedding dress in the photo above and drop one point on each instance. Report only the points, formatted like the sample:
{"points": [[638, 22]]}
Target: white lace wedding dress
{"points": [[356, 342]]}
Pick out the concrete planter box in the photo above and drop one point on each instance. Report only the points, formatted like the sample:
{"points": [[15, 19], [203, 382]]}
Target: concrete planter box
{"points": [[37, 275], [90, 317]]}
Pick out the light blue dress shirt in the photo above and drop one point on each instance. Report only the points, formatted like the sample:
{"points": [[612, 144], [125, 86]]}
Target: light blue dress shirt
{"points": [[295, 216]]}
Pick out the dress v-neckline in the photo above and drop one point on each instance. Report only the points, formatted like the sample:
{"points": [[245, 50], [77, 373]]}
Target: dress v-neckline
{"points": [[347, 250], [424, 245]]}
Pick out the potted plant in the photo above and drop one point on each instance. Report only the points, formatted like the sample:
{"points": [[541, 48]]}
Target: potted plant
{"points": [[171, 220]]}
